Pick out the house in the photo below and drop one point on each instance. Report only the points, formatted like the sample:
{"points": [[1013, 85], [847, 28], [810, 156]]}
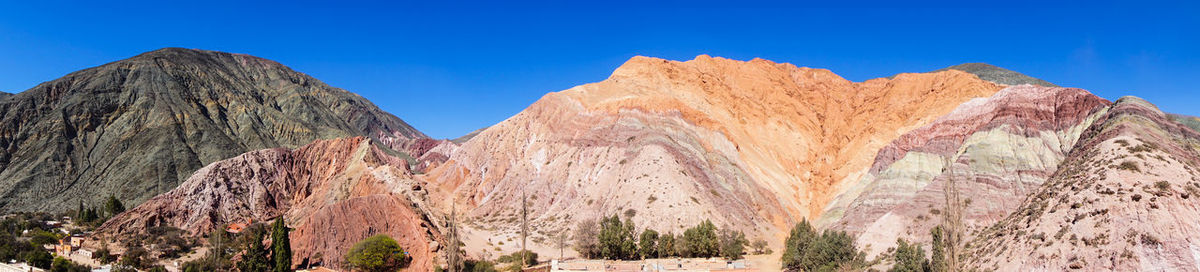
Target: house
{"points": [[236, 228], [68, 244]]}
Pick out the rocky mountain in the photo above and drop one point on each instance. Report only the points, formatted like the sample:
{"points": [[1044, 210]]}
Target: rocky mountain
{"points": [[754, 145], [138, 127], [998, 75], [333, 193], [996, 149], [1123, 200], [1189, 121]]}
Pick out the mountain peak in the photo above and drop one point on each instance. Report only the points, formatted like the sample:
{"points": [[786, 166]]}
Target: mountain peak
{"points": [[997, 75]]}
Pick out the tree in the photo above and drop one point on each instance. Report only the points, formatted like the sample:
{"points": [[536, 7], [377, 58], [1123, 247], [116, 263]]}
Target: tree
{"points": [[648, 244], [938, 258], [616, 239], [39, 258], [135, 258], [666, 246], [701, 240], [733, 244], [61, 264], [760, 246], [587, 241], [909, 258], [256, 257], [524, 226], [377, 254], [830, 251], [281, 246], [454, 252], [103, 255], [561, 240], [800, 238], [113, 206]]}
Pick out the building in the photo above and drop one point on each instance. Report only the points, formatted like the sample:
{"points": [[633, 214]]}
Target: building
{"points": [[68, 245]]}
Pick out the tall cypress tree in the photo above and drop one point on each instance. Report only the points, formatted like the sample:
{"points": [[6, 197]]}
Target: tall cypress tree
{"points": [[256, 258], [281, 246]]}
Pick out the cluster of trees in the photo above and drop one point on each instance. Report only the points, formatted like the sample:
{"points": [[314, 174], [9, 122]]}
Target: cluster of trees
{"points": [[807, 250], [92, 216], [616, 240], [910, 257], [255, 255], [16, 244]]}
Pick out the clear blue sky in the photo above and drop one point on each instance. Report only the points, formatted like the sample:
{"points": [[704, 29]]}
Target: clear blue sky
{"points": [[451, 69]]}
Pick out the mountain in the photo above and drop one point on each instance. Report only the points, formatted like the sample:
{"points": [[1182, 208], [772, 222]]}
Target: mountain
{"points": [[1123, 200], [4, 95], [138, 127], [1189, 121], [998, 75], [754, 145], [468, 136], [996, 149], [332, 193]]}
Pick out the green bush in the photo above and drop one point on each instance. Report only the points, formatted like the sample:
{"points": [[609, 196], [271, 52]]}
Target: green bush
{"points": [[479, 266], [531, 258], [377, 253], [61, 264]]}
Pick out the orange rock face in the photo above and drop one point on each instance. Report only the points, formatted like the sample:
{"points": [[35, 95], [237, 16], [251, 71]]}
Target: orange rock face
{"points": [[741, 143]]}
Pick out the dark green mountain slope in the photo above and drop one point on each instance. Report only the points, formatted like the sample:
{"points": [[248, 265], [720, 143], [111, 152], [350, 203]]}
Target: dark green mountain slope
{"points": [[137, 127]]}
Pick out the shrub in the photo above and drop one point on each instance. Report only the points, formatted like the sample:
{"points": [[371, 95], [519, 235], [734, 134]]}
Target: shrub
{"points": [[531, 258], [479, 266], [61, 264], [377, 253], [759, 246]]}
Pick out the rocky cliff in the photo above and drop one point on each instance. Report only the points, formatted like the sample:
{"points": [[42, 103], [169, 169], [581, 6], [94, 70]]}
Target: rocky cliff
{"points": [[333, 193], [1124, 199], [753, 145], [138, 127], [997, 149]]}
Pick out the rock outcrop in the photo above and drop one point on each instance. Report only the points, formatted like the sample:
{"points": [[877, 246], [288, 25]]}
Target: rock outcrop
{"points": [[1123, 200], [997, 150], [998, 75], [333, 193], [753, 145], [138, 127]]}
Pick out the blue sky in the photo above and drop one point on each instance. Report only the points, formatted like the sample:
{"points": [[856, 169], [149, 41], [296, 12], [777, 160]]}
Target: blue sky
{"points": [[451, 69]]}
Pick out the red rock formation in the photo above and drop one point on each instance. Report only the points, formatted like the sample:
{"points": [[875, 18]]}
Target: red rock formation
{"points": [[1000, 149], [754, 145], [342, 189], [1124, 200]]}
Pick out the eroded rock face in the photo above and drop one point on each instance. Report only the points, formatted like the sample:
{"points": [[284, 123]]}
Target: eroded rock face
{"points": [[138, 127], [997, 149], [333, 193], [1123, 200], [755, 145]]}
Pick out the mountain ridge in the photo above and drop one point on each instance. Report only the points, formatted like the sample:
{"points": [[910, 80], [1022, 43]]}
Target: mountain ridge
{"points": [[136, 127]]}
